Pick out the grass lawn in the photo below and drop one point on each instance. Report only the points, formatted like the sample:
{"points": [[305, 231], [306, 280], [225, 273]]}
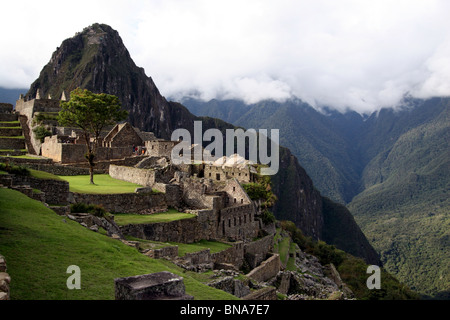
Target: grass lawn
{"points": [[39, 246], [43, 175], [171, 215], [213, 246], [291, 261], [11, 122], [103, 184], [282, 246], [184, 248], [21, 157], [12, 137]]}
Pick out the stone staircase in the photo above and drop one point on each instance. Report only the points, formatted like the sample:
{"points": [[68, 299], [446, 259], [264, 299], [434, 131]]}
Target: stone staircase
{"points": [[12, 140]]}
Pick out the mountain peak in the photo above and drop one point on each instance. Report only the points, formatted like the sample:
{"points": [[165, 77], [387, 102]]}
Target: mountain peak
{"points": [[96, 59], [74, 62], [96, 33]]}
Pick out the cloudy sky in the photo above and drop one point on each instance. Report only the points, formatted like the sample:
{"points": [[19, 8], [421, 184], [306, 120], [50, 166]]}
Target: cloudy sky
{"points": [[354, 54]]}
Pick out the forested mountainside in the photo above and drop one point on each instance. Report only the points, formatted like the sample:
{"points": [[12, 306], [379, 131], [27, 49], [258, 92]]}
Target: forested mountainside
{"points": [[391, 168]]}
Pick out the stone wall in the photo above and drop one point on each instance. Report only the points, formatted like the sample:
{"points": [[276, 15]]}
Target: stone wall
{"points": [[13, 143], [266, 270], [170, 252], [195, 193], [233, 256], [236, 193], [27, 110], [122, 203], [144, 177], [160, 148], [74, 153], [199, 258], [5, 280], [172, 192], [234, 224], [267, 293], [223, 173], [22, 161], [56, 191], [156, 286], [183, 231], [257, 251], [10, 132], [53, 150], [238, 222], [37, 105], [8, 117]]}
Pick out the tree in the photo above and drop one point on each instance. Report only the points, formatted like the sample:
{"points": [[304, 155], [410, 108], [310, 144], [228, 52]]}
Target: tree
{"points": [[90, 112]]}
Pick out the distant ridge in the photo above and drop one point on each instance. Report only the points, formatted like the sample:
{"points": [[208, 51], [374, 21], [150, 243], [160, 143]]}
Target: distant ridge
{"points": [[11, 95]]}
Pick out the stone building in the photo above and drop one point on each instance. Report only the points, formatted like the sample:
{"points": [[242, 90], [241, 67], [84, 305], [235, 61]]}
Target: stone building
{"points": [[160, 148], [122, 135], [27, 110], [243, 173], [119, 143]]}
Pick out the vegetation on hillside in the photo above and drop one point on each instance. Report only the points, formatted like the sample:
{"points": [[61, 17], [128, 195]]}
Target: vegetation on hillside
{"points": [[14, 169], [262, 190], [404, 209], [393, 165], [352, 270]]}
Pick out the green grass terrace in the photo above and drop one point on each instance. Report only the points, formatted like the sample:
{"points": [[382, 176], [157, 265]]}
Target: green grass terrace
{"points": [[171, 215], [103, 184]]}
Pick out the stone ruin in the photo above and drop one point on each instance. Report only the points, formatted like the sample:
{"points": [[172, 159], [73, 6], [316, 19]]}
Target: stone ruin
{"points": [[211, 191], [155, 286]]}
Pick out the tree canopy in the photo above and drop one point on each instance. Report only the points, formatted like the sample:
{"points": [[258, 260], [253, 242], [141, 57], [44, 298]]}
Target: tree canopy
{"points": [[90, 112]]}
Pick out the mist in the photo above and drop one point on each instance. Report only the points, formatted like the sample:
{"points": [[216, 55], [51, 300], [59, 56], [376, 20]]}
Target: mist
{"points": [[348, 55]]}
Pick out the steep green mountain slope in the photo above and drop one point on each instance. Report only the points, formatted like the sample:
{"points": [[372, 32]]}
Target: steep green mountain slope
{"points": [[404, 210], [393, 164]]}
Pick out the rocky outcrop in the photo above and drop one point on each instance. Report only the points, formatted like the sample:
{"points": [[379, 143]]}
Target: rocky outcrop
{"points": [[311, 281], [155, 286], [5, 280], [298, 200], [231, 285], [94, 223]]}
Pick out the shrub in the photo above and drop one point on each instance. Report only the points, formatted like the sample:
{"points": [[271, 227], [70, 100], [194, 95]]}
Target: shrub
{"points": [[255, 191], [261, 191], [12, 169], [324, 252], [267, 217], [41, 132], [96, 210]]}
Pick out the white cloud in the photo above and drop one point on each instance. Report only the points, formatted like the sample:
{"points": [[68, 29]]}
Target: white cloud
{"points": [[356, 54]]}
